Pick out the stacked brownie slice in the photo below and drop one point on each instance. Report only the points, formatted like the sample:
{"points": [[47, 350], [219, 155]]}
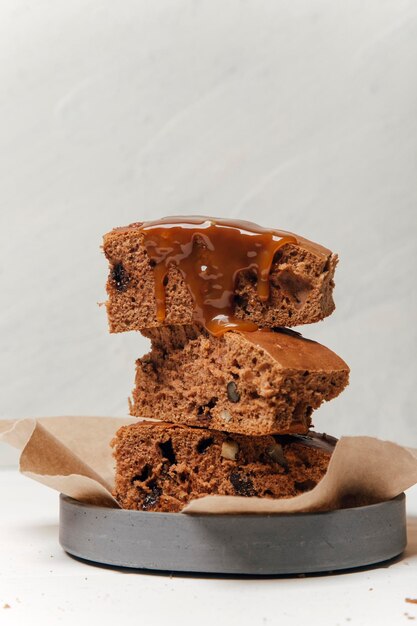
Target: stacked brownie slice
{"points": [[233, 386]]}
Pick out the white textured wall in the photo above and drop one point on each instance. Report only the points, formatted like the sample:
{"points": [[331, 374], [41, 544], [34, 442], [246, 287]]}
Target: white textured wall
{"points": [[299, 114]]}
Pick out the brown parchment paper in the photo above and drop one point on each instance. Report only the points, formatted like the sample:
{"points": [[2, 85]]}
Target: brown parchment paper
{"points": [[73, 456]]}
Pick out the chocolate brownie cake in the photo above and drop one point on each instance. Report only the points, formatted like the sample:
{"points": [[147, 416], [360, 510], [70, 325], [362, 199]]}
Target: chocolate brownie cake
{"points": [[254, 383], [161, 467], [216, 273]]}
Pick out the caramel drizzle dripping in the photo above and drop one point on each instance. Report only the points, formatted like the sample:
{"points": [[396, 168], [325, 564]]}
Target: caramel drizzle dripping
{"points": [[210, 253]]}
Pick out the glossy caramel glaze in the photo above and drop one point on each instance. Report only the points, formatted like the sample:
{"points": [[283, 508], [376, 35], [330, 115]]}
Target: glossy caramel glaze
{"points": [[209, 253]]}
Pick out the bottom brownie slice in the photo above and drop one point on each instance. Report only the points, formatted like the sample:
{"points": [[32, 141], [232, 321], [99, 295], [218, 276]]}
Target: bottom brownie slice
{"points": [[161, 467]]}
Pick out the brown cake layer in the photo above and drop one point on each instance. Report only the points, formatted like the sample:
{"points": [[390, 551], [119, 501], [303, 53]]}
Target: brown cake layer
{"points": [[161, 467], [300, 285], [251, 383]]}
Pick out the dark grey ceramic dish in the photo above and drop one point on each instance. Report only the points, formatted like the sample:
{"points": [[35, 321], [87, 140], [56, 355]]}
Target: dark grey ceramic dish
{"points": [[235, 544]]}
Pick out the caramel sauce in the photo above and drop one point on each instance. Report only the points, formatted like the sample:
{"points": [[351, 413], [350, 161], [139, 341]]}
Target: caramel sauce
{"points": [[209, 253]]}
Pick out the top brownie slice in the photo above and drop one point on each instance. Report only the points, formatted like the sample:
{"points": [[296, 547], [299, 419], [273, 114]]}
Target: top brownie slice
{"points": [[299, 275]]}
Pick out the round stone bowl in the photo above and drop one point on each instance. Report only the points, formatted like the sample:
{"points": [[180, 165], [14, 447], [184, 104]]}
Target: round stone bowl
{"points": [[297, 543]]}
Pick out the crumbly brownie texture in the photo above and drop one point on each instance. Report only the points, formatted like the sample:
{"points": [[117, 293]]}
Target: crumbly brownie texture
{"points": [[161, 467], [251, 383], [301, 286]]}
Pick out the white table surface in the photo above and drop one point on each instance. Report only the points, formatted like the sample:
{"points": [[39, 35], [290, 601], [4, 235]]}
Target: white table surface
{"points": [[41, 584]]}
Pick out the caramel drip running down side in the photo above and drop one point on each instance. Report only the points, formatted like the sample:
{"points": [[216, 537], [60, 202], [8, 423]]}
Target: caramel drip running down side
{"points": [[210, 253]]}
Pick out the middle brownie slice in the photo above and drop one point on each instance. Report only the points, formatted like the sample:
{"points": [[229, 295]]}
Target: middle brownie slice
{"points": [[257, 383]]}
